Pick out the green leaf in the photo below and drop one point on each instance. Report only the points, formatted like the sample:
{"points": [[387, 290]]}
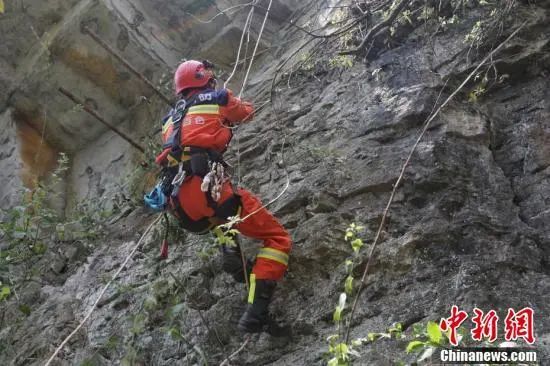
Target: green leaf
{"points": [[349, 265], [39, 248], [25, 309], [373, 336], [342, 350], [434, 333], [396, 327], [396, 330], [356, 244], [415, 346], [349, 285], [5, 292], [337, 316], [1, 6], [175, 334]]}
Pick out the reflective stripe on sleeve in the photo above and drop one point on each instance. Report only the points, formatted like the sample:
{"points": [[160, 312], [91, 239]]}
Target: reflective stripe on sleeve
{"points": [[204, 109]]}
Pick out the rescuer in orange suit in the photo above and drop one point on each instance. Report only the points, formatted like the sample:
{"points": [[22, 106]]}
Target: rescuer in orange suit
{"points": [[195, 135]]}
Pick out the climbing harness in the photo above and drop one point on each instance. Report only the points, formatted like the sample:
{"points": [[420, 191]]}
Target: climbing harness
{"points": [[183, 162]]}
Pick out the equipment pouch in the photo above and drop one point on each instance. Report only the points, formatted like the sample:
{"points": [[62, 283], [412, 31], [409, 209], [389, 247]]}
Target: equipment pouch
{"points": [[199, 164]]}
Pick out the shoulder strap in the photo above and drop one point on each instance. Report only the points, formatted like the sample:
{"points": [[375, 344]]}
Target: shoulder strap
{"points": [[178, 115]]}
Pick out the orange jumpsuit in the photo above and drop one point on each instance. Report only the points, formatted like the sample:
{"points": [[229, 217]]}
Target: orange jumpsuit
{"points": [[205, 126]]}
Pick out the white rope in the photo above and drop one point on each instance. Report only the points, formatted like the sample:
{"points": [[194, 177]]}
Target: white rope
{"points": [[237, 220], [246, 24], [102, 292], [255, 48]]}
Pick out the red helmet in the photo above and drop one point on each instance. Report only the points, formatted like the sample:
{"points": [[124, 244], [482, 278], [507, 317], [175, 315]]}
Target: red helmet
{"points": [[192, 74]]}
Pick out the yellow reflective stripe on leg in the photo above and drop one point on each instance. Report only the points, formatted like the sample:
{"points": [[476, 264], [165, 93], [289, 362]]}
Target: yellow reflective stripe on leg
{"points": [[204, 109], [252, 288], [274, 255]]}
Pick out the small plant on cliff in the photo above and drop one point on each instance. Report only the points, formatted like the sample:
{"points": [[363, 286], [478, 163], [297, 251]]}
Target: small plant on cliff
{"points": [[27, 225], [341, 351], [5, 291], [341, 62], [426, 340], [491, 26]]}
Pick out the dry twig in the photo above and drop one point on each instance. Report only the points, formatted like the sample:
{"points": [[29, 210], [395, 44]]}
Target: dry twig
{"points": [[226, 361], [378, 27]]}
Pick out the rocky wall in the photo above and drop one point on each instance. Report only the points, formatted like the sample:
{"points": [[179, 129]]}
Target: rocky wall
{"points": [[45, 47], [10, 161], [468, 225]]}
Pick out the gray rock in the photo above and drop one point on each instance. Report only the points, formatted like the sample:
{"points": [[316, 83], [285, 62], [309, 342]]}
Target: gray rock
{"points": [[469, 224]]}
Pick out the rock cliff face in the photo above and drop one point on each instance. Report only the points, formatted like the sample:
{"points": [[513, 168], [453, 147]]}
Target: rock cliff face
{"points": [[469, 225]]}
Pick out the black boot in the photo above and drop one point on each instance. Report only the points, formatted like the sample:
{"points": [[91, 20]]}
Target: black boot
{"points": [[256, 315], [232, 263]]}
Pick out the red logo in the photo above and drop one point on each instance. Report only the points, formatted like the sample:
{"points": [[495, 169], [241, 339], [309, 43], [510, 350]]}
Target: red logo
{"points": [[453, 322], [485, 326], [519, 325]]}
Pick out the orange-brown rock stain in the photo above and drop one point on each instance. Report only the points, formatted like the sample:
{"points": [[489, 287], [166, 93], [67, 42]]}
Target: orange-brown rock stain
{"points": [[39, 158]]}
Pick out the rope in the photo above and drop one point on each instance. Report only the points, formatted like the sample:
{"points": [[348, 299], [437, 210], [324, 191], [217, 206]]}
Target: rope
{"points": [[404, 167], [246, 24], [236, 220], [103, 291], [255, 48]]}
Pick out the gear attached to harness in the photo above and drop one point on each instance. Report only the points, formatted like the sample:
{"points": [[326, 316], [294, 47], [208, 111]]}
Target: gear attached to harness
{"points": [[182, 162]]}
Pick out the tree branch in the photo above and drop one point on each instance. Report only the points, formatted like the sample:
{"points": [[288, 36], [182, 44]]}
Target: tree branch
{"points": [[374, 30]]}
